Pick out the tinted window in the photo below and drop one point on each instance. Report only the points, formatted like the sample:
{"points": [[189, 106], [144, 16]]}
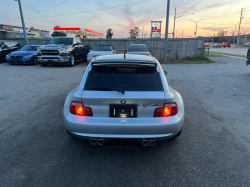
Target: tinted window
{"points": [[102, 48], [124, 79], [65, 41], [29, 48], [136, 48]]}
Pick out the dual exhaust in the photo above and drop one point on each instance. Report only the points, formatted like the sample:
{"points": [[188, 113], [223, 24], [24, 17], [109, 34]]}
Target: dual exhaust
{"points": [[145, 142], [151, 142], [99, 141]]}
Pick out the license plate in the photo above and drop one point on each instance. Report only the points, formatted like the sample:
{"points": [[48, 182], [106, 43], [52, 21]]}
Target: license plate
{"points": [[123, 111]]}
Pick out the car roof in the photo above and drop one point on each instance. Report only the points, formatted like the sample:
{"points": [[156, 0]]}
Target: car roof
{"points": [[128, 58]]}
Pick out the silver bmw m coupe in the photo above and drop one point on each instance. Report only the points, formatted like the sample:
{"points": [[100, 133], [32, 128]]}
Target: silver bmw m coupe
{"points": [[124, 96]]}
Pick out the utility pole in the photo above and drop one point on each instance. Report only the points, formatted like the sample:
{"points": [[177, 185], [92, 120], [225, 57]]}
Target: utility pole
{"points": [[234, 33], [174, 21], [196, 26], [239, 28], [23, 24], [165, 54]]}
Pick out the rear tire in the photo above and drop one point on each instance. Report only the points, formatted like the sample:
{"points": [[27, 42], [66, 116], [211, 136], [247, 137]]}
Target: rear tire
{"points": [[35, 60], [178, 134]]}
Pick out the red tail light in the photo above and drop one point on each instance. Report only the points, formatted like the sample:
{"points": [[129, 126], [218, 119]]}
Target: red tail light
{"points": [[169, 109], [77, 108]]}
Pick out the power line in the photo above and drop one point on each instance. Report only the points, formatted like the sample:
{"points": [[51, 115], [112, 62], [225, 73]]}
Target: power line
{"points": [[89, 11], [41, 10], [190, 8]]}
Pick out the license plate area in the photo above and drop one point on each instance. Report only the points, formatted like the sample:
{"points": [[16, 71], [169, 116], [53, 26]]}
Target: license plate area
{"points": [[15, 60], [123, 111]]}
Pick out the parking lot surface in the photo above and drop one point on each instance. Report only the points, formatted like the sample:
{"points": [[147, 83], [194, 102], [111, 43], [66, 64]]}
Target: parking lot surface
{"points": [[232, 50], [213, 150]]}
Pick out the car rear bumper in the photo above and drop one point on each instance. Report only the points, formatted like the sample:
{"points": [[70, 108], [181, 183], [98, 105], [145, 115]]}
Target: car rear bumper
{"points": [[134, 128]]}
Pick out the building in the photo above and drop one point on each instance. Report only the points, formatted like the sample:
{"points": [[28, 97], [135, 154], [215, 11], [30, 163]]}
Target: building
{"points": [[82, 33], [9, 31]]}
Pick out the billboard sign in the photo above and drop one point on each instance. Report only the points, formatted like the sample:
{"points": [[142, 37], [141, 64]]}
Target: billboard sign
{"points": [[155, 29]]}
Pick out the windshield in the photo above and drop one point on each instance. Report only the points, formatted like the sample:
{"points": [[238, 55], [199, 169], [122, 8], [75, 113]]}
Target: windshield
{"points": [[65, 41], [102, 48], [29, 48], [123, 79], [136, 48]]}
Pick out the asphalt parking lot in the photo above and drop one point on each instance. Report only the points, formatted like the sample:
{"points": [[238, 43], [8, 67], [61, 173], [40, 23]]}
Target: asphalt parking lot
{"points": [[213, 150]]}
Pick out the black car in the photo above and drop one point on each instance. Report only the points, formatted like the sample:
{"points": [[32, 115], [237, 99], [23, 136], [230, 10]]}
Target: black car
{"points": [[62, 51], [7, 47], [248, 57]]}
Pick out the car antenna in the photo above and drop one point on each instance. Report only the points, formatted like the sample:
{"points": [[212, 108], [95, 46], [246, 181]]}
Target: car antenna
{"points": [[124, 54]]}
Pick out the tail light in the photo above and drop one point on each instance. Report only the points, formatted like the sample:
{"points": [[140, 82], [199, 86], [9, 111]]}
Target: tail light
{"points": [[78, 109], [169, 109]]}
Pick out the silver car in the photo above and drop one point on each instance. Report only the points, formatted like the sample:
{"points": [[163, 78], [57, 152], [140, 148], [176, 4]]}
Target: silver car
{"points": [[139, 49], [124, 96], [100, 50]]}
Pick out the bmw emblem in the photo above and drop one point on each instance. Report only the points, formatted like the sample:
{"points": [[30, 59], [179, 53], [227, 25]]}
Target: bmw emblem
{"points": [[123, 101]]}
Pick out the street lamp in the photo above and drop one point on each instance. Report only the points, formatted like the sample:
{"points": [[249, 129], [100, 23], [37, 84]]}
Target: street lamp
{"points": [[196, 25], [23, 24], [175, 17]]}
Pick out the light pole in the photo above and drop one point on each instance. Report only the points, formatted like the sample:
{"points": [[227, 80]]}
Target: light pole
{"points": [[175, 17], [196, 25], [165, 54], [23, 24]]}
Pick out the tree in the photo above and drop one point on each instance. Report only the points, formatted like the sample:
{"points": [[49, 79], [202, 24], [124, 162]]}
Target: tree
{"points": [[32, 27], [58, 34], [109, 33], [134, 32]]}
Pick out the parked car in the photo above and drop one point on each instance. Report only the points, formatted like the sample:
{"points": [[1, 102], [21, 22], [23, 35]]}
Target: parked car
{"points": [[7, 47], [26, 55], [124, 97], [62, 51], [100, 50], [217, 45], [226, 44], [140, 49], [248, 57], [207, 44]]}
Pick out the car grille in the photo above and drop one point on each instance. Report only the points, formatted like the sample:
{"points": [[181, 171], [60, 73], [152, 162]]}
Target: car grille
{"points": [[50, 52], [16, 57]]}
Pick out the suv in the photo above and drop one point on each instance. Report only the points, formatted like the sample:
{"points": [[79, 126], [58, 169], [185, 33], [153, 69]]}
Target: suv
{"points": [[6, 48], [62, 51], [139, 49]]}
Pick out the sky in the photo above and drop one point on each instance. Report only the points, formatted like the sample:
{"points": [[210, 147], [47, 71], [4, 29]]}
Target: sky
{"points": [[123, 15]]}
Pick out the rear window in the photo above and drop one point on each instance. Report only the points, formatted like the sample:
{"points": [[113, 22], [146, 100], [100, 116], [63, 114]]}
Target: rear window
{"points": [[123, 79], [137, 48]]}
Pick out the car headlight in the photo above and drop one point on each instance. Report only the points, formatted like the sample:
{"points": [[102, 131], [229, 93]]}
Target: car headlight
{"points": [[7, 56], [28, 56], [64, 50]]}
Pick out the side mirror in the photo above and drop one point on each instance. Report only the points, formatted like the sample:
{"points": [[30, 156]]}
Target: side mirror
{"points": [[165, 72]]}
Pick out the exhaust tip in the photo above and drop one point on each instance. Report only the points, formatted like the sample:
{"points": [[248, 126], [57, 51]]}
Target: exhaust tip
{"points": [[152, 142], [145, 142], [93, 141], [100, 141]]}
